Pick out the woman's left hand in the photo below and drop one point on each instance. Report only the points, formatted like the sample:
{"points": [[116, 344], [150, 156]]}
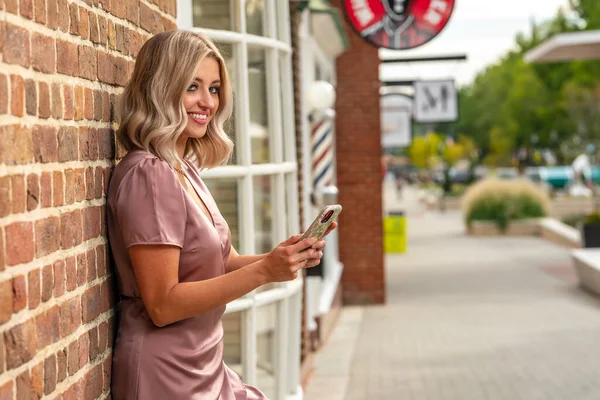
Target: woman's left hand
{"points": [[319, 246]]}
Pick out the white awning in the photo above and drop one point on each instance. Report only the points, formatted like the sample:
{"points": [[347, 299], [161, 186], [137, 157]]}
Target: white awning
{"points": [[571, 46]]}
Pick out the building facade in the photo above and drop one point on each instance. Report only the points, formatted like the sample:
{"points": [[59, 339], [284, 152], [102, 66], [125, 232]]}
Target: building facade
{"points": [[62, 66]]}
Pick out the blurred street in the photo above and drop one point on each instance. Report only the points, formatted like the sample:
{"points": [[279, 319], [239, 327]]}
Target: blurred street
{"points": [[466, 319]]}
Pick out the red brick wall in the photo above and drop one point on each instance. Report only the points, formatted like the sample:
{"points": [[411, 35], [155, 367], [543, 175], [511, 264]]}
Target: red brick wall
{"points": [[358, 145], [61, 67]]}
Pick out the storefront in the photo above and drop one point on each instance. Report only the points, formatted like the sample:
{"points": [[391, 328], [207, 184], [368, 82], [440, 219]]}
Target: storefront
{"points": [[257, 192]]}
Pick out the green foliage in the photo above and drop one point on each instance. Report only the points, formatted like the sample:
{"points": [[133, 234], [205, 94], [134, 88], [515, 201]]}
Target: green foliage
{"points": [[502, 201], [512, 100], [593, 218]]}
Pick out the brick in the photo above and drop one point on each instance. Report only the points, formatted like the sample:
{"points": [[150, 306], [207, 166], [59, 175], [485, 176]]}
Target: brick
{"points": [[89, 183], [50, 374], [94, 28], [40, 11], [88, 67], [34, 285], [45, 143], [106, 114], [60, 278], [93, 338], [12, 6], [71, 267], [16, 145], [150, 20], [79, 184], [66, 58], [20, 344], [106, 372], [112, 35], [135, 43], [26, 8], [107, 295], [7, 390], [111, 69], [71, 232], [47, 282], [73, 357], [33, 191], [102, 337], [98, 178], [74, 17], [84, 143], [84, 23], [70, 311], [68, 102], [75, 391], [17, 93], [91, 265], [133, 11], [84, 350], [44, 100], [106, 144], [30, 97], [101, 261], [58, 189], [88, 101], [46, 189], [97, 105], [17, 48], [107, 173], [5, 201], [91, 304], [3, 94], [61, 363], [19, 243], [43, 57], [81, 269], [67, 144], [19, 193], [168, 24], [2, 369], [6, 300], [70, 186], [78, 96], [102, 30], [46, 236], [19, 290], [48, 327], [91, 224], [57, 101], [37, 381], [52, 14], [24, 386]]}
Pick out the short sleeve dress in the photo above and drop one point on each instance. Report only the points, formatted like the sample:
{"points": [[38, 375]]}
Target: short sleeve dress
{"points": [[147, 205]]}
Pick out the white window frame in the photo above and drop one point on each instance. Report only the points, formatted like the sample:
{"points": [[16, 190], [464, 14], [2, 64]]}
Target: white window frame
{"points": [[282, 166]]}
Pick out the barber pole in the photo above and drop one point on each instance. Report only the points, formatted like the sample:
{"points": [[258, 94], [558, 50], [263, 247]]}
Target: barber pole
{"points": [[322, 151]]}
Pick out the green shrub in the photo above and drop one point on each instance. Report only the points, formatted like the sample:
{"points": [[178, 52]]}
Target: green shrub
{"points": [[503, 201]]}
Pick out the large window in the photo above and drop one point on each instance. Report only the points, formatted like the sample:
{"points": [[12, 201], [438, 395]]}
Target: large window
{"points": [[257, 191]]}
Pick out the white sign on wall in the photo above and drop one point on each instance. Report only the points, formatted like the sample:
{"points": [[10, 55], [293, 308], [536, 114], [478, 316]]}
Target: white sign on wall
{"points": [[396, 120], [435, 101]]}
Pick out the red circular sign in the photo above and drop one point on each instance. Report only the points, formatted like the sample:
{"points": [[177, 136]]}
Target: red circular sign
{"points": [[398, 24]]}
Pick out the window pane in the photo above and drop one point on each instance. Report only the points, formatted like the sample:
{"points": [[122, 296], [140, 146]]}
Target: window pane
{"points": [[257, 86], [263, 214], [232, 341], [287, 111], [265, 348], [213, 14], [225, 193], [227, 53], [255, 21]]}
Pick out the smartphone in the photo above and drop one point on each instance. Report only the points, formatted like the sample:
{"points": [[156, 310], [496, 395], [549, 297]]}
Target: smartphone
{"points": [[321, 223]]}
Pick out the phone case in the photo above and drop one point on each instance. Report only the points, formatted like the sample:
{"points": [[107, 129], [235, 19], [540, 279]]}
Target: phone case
{"points": [[319, 226]]}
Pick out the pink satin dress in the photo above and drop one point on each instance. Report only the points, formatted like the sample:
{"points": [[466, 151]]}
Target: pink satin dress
{"points": [[147, 205]]}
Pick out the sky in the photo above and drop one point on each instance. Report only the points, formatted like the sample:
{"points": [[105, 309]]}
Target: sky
{"points": [[484, 30]]}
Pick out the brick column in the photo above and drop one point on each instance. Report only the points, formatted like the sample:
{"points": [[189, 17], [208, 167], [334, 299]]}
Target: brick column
{"points": [[358, 146], [63, 64]]}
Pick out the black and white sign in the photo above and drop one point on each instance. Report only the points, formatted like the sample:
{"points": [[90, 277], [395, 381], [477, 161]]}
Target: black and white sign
{"points": [[435, 101]]}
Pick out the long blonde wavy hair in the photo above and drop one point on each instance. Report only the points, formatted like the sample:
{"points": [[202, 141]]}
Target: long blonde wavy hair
{"points": [[152, 111]]}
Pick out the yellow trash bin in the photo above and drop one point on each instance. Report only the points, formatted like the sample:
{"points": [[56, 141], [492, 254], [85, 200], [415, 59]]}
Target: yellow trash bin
{"points": [[394, 232]]}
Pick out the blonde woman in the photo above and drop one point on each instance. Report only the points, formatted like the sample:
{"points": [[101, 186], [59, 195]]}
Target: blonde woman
{"points": [[172, 249]]}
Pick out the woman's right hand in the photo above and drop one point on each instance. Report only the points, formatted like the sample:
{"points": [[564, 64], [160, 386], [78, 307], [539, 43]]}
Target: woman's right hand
{"points": [[284, 261]]}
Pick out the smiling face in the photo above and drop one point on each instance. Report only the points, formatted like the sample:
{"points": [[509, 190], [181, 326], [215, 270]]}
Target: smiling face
{"points": [[201, 100]]}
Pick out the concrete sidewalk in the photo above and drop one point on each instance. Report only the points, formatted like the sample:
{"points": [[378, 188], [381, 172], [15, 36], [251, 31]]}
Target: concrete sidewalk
{"points": [[466, 318]]}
